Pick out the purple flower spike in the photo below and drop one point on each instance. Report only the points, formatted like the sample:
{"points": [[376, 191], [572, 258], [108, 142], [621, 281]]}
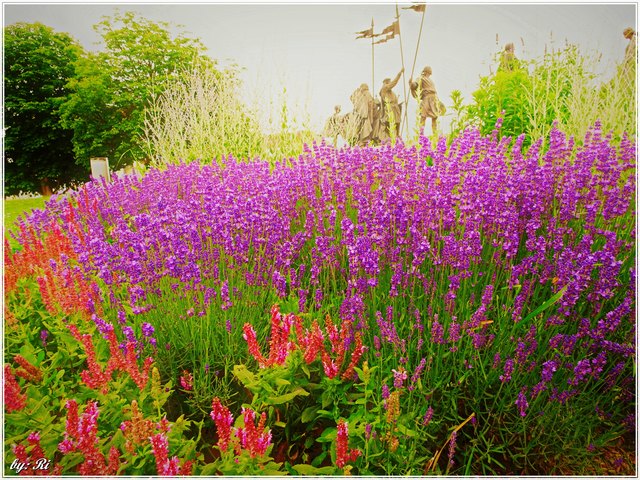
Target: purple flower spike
{"points": [[147, 329]]}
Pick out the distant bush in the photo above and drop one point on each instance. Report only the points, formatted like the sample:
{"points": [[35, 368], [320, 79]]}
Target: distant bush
{"points": [[559, 87]]}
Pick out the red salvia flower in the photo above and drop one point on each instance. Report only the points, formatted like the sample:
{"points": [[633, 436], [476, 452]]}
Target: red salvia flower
{"points": [[252, 437], [343, 455], [358, 351], [35, 461], [81, 435], [28, 371], [279, 342], [164, 465], [95, 377], [14, 399], [223, 420], [186, 380], [249, 335]]}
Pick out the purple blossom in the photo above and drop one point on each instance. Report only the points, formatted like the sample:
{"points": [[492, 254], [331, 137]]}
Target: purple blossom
{"points": [[367, 431], [548, 369], [454, 331], [452, 446], [44, 334], [385, 392], [129, 333], [427, 416], [437, 332], [508, 370], [399, 376], [521, 402], [147, 329]]}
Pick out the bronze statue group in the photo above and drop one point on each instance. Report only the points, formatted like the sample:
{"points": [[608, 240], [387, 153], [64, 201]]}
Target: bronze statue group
{"points": [[376, 120]]}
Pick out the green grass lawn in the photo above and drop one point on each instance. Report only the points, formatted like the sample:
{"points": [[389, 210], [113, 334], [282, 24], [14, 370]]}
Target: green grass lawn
{"points": [[14, 208]]}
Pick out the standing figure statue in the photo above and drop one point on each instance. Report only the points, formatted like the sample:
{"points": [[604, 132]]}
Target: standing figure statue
{"points": [[430, 104], [508, 58], [391, 109], [629, 63], [362, 125], [334, 126]]}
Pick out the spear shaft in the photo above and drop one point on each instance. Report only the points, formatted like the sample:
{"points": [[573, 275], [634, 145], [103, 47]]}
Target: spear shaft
{"points": [[372, 58], [404, 83], [418, 43]]}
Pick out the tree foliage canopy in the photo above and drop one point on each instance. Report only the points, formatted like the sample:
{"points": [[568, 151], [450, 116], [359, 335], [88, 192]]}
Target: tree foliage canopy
{"points": [[113, 87], [38, 151]]}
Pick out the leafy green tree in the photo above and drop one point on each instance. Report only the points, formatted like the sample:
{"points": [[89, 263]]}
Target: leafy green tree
{"points": [[113, 87], [38, 150]]}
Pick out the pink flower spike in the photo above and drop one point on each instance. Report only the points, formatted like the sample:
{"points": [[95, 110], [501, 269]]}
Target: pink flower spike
{"points": [[223, 420]]}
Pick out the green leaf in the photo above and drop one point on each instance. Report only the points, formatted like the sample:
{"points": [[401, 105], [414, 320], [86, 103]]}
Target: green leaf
{"points": [[280, 399], [406, 431], [328, 435], [304, 469], [553, 300], [308, 414], [243, 374], [319, 459], [209, 469], [282, 382]]}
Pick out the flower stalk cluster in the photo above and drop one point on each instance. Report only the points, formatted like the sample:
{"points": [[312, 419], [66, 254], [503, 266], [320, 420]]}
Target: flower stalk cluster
{"points": [[81, 435], [253, 438], [98, 378], [311, 342]]}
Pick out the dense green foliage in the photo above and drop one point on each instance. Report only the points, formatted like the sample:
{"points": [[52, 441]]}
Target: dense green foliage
{"points": [[559, 87], [38, 152], [112, 87]]}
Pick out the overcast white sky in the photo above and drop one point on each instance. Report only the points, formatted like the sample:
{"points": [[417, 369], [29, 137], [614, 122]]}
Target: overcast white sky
{"points": [[311, 49]]}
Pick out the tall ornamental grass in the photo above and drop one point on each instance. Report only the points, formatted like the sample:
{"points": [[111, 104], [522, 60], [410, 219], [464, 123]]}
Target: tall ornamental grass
{"points": [[203, 119], [466, 307]]}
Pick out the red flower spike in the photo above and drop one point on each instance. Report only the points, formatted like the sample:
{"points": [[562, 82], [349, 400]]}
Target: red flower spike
{"points": [[223, 420], [343, 455], [14, 399]]}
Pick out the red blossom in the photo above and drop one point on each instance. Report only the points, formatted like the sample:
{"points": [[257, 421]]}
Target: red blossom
{"points": [[249, 335], [358, 351], [186, 380], [164, 465], [81, 435], [33, 459], [95, 377], [343, 454], [253, 438], [310, 342], [28, 371], [279, 342], [14, 399], [223, 420]]}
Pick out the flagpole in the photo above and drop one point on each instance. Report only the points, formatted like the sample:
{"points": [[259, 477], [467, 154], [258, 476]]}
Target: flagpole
{"points": [[404, 83], [372, 59], [415, 58]]}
